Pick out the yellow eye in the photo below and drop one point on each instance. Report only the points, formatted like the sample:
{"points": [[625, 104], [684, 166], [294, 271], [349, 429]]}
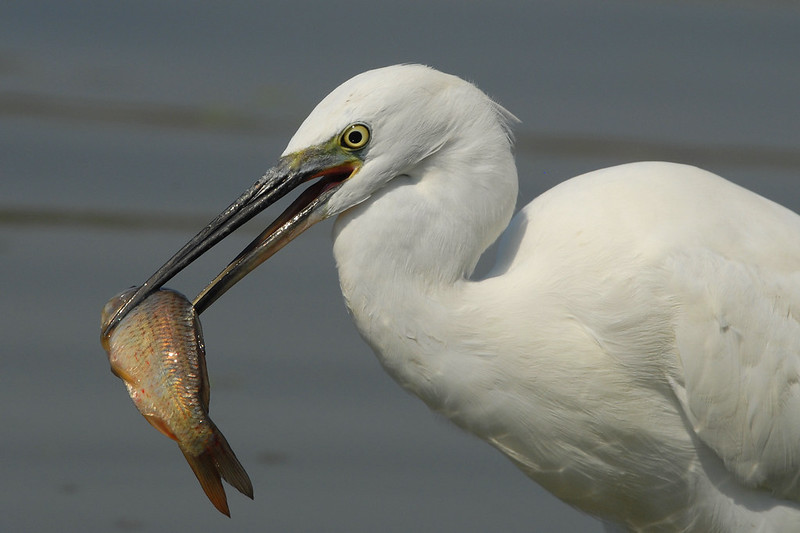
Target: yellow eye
{"points": [[354, 137]]}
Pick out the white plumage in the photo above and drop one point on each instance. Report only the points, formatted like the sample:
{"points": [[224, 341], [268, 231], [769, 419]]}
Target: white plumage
{"points": [[634, 349]]}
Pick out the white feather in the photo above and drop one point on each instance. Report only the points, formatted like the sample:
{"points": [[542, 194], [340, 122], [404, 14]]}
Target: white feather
{"points": [[635, 348]]}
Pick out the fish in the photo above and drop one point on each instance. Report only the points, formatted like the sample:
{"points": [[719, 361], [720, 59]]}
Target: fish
{"points": [[158, 352]]}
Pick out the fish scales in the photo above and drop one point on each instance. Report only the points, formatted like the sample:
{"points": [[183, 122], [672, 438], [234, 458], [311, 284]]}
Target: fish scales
{"points": [[158, 352]]}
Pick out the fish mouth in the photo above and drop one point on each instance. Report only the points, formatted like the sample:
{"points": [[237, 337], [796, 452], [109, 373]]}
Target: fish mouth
{"points": [[327, 166]]}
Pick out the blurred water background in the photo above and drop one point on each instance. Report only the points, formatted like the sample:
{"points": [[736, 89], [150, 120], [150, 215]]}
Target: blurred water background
{"points": [[125, 126]]}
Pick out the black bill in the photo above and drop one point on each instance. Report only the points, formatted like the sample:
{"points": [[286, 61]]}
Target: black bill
{"points": [[328, 165]]}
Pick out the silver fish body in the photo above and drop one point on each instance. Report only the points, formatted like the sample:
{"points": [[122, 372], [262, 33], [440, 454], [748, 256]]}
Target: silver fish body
{"points": [[158, 352]]}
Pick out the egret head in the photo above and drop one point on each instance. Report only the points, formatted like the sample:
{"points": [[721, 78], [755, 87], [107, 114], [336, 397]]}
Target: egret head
{"points": [[373, 128]]}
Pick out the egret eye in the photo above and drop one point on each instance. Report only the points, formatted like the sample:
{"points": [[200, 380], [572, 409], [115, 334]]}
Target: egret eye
{"points": [[354, 137]]}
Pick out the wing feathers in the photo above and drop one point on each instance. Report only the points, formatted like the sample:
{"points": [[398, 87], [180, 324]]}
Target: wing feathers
{"points": [[739, 345]]}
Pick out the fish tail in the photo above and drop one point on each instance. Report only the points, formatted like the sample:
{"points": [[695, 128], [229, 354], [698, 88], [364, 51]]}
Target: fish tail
{"points": [[215, 462], [205, 468], [229, 466]]}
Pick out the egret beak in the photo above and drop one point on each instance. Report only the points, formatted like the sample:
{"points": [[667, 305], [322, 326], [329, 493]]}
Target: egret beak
{"points": [[328, 164]]}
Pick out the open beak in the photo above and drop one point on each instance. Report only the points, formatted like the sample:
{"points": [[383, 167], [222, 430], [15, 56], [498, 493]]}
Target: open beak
{"points": [[328, 165]]}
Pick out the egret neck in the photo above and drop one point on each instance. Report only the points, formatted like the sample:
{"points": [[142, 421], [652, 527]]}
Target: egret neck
{"points": [[405, 257]]}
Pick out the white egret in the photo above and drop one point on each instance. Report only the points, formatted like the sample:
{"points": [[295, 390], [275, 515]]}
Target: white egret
{"points": [[636, 347]]}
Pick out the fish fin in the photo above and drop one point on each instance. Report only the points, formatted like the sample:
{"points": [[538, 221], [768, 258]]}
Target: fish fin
{"points": [[160, 425], [123, 375], [205, 386], [215, 462], [204, 467], [229, 466]]}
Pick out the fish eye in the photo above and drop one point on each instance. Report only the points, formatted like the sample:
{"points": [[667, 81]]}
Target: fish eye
{"points": [[354, 137]]}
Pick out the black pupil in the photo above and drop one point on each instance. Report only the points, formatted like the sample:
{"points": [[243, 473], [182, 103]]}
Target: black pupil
{"points": [[354, 137]]}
